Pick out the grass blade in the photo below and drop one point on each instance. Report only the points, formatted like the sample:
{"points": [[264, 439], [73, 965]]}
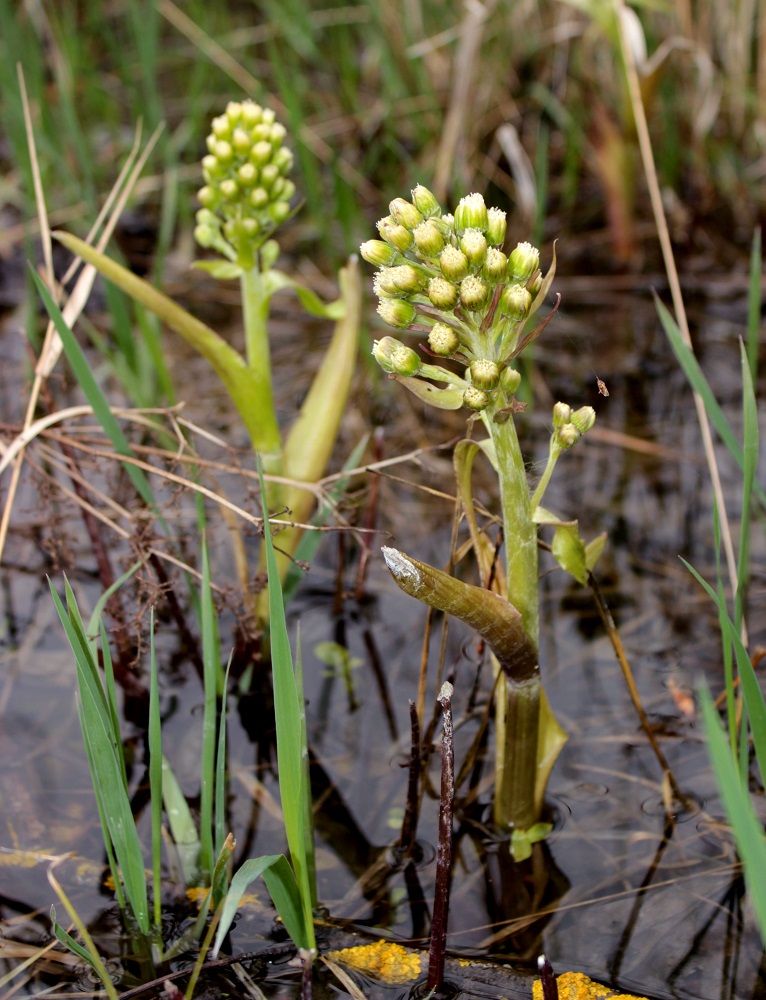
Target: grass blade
{"points": [[211, 670], [155, 776], [754, 305], [749, 464], [93, 393], [746, 827]]}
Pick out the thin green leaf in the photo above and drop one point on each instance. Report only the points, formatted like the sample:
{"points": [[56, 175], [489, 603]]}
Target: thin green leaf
{"points": [[220, 770], [224, 270], [211, 670], [308, 810], [102, 602], [182, 826], [569, 551], [750, 462], [700, 384], [155, 776], [278, 280], [69, 942], [93, 393], [754, 299], [746, 827], [283, 890]]}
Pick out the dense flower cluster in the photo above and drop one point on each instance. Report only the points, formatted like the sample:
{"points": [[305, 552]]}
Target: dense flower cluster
{"points": [[246, 193], [447, 276]]}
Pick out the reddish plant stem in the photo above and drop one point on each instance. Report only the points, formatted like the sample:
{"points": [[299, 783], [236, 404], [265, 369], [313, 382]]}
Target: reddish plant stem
{"points": [[438, 948], [410, 820]]}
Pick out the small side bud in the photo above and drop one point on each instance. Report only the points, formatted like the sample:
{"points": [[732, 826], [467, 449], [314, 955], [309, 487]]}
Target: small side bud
{"points": [[475, 398], [523, 262], [473, 292], [428, 239], [584, 418], [566, 436], [562, 414], [473, 243], [383, 351], [471, 213], [442, 293], [443, 340], [496, 226], [406, 361], [485, 374], [425, 201], [510, 380], [515, 302], [378, 253], [395, 234], [397, 312], [406, 279], [404, 213], [453, 263], [495, 265]]}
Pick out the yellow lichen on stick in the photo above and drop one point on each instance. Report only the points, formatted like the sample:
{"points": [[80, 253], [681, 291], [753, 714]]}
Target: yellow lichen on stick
{"points": [[390, 962], [577, 986]]}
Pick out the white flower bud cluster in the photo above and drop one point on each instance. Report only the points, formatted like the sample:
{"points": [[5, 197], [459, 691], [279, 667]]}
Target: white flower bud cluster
{"points": [[447, 275], [247, 193]]}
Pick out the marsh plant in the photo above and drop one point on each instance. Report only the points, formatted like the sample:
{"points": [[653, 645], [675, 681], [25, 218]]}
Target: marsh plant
{"points": [[246, 196], [447, 278]]}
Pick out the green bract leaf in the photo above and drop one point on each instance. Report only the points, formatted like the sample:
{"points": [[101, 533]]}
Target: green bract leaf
{"points": [[442, 399], [224, 270], [277, 280], [522, 840], [593, 550], [569, 551]]}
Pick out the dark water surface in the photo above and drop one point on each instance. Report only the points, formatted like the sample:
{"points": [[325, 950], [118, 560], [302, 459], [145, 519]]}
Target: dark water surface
{"points": [[616, 891]]}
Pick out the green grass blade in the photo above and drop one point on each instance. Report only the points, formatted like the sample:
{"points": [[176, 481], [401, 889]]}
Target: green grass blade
{"points": [[220, 769], [287, 711], [283, 889], [69, 942], [749, 464], [754, 305], [105, 758], [211, 670], [746, 827], [698, 382], [93, 393], [182, 827], [155, 776], [308, 817]]}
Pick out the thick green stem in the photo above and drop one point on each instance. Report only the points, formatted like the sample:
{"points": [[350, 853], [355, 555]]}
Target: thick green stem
{"points": [[255, 305], [517, 715]]}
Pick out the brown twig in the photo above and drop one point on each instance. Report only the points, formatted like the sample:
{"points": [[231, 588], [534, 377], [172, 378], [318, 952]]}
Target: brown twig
{"points": [[436, 955]]}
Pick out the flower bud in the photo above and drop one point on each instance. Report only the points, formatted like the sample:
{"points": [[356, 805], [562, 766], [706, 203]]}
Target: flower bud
{"points": [[566, 436], [233, 112], [406, 279], [269, 176], [453, 263], [510, 380], [562, 414], [395, 234], [229, 189], [425, 201], [240, 141], [383, 284], [475, 398], [443, 340], [485, 374], [383, 351], [428, 239], [260, 153], [405, 213], [515, 301], [495, 265], [279, 211], [379, 253], [473, 292], [523, 262], [442, 293], [535, 283], [259, 198], [251, 114], [496, 226], [473, 243], [220, 127], [406, 361], [208, 197], [397, 312], [583, 419], [471, 213], [247, 175], [223, 152]]}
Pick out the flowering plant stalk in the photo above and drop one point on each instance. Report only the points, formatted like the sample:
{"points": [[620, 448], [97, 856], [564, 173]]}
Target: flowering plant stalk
{"points": [[245, 198], [447, 277]]}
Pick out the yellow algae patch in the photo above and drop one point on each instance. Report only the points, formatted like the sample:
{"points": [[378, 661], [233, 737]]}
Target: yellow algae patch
{"points": [[577, 986], [388, 961]]}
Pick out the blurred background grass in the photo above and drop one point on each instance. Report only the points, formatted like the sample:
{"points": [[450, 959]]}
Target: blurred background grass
{"points": [[523, 100]]}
